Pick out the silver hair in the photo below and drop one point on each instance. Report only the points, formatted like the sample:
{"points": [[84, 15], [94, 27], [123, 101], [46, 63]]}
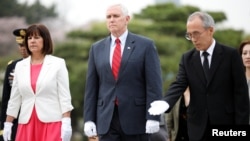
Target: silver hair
{"points": [[207, 19], [123, 9]]}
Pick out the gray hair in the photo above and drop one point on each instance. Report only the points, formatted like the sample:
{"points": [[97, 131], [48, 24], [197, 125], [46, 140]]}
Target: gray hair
{"points": [[123, 9], [207, 19]]}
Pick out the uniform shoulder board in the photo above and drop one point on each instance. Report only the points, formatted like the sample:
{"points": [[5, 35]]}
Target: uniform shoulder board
{"points": [[10, 62]]}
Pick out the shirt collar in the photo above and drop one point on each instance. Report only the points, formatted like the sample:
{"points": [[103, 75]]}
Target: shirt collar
{"points": [[210, 49], [122, 38]]}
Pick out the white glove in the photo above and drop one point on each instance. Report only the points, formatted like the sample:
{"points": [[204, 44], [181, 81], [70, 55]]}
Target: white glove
{"points": [[66, 129], [90, 129], [158, 107], [7, 131], [152, 126]]}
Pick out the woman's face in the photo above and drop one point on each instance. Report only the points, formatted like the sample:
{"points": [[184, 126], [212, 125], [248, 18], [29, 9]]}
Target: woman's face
{"points": [[246, 55], [35, 43]]}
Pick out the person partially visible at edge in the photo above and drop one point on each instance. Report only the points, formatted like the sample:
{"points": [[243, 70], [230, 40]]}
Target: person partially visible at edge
{"points": [[244, 50], [177, 119], [41, 92], [216, 79], [122, 100], [8, 79]]}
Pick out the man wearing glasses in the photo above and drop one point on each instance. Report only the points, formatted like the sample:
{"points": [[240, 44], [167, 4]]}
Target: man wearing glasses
{"points": [[217, 82]]}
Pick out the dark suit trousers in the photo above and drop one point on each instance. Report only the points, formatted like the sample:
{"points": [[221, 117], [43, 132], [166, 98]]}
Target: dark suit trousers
{"points": [[207, 135], [115, 132]]}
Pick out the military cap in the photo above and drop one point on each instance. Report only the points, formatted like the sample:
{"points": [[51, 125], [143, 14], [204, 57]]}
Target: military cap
{"points": [[20, 34]]}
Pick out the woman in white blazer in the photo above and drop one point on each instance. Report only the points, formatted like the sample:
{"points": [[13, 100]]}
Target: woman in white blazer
{"points": [[40, 92]]}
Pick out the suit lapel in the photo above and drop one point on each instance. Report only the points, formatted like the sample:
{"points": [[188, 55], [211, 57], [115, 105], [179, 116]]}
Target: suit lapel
{"points": [[106, 56], [215, 61], [26, 74], [44, 70], [128, 49]]}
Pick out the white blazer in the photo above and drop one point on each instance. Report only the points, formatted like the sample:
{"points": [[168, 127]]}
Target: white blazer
{"points": [[52, 97]]}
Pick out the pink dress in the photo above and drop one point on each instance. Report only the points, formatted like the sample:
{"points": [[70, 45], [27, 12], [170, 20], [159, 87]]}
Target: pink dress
{"points": [[35, 130]]}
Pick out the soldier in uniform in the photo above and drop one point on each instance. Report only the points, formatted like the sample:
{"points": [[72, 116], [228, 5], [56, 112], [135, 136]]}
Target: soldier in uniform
{"points": [[20, 34]]}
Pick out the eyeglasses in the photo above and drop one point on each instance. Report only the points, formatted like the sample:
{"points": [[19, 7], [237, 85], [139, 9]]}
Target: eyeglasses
{"points": [[195, 34]]}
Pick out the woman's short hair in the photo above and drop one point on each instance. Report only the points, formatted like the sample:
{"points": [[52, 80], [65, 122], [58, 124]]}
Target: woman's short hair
{"points": [[40, 30]]}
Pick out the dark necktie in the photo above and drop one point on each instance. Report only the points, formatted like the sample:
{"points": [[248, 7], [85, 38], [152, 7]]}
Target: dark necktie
{"points": [[116, 61], [206, 64]]}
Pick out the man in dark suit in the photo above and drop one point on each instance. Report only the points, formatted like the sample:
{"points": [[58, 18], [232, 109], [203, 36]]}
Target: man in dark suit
{"points": [[19, 33], [115, 107], [219, 97]]}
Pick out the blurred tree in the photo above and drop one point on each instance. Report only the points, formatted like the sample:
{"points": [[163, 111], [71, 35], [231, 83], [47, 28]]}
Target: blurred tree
{"points": [[33, 13], [164, 23], [37, 12], [230, 37], [9, 8]]}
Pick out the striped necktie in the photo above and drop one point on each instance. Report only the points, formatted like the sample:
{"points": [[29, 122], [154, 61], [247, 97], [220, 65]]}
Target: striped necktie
{"points": [[116, 61]]}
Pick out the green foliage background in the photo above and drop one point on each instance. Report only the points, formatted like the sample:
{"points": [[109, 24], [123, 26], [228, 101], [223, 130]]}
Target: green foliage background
{"points": [[164, 23], [32, 13]]}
